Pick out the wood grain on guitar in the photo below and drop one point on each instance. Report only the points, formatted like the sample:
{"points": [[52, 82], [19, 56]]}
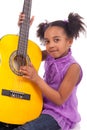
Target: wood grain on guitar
{"points": [[20, 99]]}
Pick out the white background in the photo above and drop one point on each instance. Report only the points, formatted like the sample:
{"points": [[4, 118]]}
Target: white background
{"points": [[50, 10]]}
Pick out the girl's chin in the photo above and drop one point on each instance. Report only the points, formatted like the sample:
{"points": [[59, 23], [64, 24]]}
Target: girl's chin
{"points": [[55, 56]]}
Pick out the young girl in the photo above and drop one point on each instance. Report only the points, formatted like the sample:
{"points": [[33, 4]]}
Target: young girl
{"points": [[61, 78], [62, 75]]}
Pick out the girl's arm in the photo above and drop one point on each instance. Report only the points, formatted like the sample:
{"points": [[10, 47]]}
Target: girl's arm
{"points": [[56, 96]]}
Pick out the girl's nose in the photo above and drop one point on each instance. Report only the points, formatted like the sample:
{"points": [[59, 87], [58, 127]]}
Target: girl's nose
{"points": [[51, 44]]}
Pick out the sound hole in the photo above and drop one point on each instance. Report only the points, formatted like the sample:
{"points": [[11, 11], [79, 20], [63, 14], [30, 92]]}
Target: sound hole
{"points": [[16, 61]]}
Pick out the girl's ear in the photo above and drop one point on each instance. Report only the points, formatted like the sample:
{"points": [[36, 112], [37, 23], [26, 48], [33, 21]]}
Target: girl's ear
{"points": [[70, 41]]}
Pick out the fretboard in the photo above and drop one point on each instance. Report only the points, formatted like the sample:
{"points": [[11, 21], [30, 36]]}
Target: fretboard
{"points": [[24, 29]]}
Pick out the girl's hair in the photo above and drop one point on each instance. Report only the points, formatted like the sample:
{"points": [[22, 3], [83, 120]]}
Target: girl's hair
{"points": [[73, 26]]}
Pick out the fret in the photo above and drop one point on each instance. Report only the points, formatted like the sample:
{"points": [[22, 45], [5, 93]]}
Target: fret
{"points": [[24, 36], [24, 29]]}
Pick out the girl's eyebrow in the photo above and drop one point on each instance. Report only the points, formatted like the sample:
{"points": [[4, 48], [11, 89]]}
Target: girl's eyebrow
{"points": [[56, 36], [45, 38], [53, 37], [59, 37]]}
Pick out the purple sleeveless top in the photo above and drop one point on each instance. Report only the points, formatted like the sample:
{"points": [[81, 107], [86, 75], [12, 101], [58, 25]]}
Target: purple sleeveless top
{"points": [[67, 114]]}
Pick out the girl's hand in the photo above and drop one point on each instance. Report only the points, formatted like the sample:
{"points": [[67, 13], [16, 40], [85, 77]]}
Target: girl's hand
{"points": [[29, 72], [22, 17], [20, 21]]}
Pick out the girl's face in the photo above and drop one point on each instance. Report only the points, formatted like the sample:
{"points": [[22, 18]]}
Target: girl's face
{"points": [[56, 41]]}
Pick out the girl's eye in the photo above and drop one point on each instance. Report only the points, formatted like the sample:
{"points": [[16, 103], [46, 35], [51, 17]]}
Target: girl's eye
{"points": [[46, 42], [56, 40]]}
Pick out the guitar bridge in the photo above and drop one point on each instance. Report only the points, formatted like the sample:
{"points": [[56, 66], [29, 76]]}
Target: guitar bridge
{"points": [[15, 94]]}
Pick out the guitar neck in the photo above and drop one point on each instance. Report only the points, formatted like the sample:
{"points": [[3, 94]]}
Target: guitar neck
{"points": [[24, 29]]}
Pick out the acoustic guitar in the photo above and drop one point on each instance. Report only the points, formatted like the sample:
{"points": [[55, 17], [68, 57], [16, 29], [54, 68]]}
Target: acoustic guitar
{"points": [[20, 99]]}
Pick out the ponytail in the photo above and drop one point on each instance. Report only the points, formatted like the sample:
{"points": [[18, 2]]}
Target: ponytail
{"points": [[73, 26]]}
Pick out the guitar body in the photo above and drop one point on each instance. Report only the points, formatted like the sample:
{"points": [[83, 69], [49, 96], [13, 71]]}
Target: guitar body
{"points": [[20, 99]]}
